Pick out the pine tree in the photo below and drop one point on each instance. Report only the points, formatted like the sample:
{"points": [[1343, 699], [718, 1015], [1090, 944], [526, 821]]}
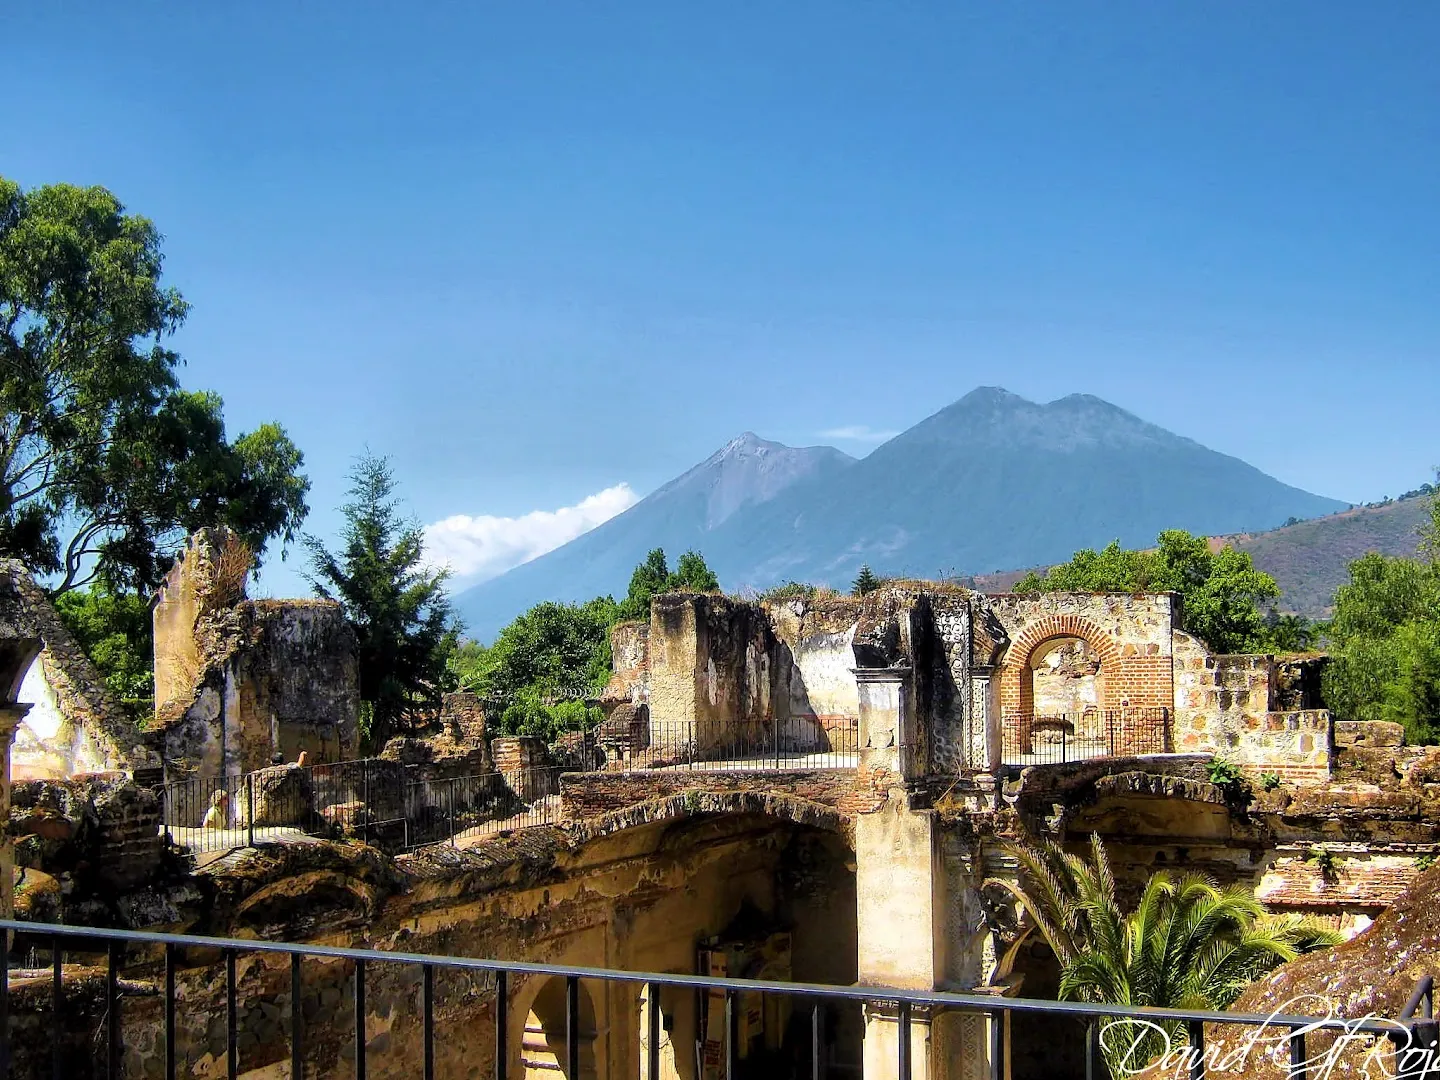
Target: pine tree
{"points": [[867, 582], [398, 607]]}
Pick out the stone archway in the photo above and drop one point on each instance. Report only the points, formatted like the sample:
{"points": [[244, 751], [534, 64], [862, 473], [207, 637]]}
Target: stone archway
{"points": [[542, 1045], [1017, 695], [1040, 641]]}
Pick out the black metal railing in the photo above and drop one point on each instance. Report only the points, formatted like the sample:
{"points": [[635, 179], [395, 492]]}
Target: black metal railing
{"points": [[1054, 738], [728, 745], [107, 1042], [451, 809], [377, 800]]}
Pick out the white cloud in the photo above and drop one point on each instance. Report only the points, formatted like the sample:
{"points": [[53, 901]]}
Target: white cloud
{"points": [[858, 433], [477, 548]]}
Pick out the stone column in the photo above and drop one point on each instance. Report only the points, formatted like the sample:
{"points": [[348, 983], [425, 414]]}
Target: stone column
{"points": [[985, 727], [10, 717], [915, 896], [895, 872], [888, 740]]}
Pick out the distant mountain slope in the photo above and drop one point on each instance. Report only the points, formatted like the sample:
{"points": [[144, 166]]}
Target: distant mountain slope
{"points": [[1308, 560], [990, 481], [997, 481], [677, 516]]}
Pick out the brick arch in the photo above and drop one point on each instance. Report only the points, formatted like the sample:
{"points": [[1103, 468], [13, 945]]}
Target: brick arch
{"points": [[1017, 691]]}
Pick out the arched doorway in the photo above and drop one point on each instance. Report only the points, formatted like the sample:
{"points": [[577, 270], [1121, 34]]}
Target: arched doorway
{"points": [[544, 1053], [1067, 686], [1061, 681]]}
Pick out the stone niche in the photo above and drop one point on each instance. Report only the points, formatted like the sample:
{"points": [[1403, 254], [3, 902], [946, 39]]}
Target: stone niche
{"points": [[240, 681]]}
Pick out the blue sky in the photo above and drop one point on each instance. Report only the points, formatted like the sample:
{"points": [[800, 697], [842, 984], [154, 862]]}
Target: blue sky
{"points": [[534, 252]]}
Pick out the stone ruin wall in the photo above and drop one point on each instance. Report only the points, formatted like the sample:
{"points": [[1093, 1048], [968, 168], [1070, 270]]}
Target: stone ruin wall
{"points": [[239, 681], [630, 901], [75, 725], [1264, 715]]}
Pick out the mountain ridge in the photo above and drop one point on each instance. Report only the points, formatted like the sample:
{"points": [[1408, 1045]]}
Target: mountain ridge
{"points": [[990, 480]]}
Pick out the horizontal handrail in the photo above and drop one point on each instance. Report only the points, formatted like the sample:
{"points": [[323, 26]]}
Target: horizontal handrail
{"points": [[989, 1003]]}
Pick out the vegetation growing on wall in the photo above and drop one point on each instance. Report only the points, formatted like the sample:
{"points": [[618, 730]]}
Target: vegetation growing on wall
{"points": [[867, 581]]}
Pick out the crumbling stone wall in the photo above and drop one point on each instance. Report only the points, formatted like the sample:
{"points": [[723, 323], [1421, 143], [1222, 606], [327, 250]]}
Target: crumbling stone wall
{"points": [[645, 899], [819, 636], [74, 725], [630, 663], [1253, 711], [1131, 636], [239, 681]]}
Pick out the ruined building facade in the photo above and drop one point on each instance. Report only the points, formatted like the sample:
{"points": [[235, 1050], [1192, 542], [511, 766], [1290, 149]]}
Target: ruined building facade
{"points": [[240, 681], [835, 782]]}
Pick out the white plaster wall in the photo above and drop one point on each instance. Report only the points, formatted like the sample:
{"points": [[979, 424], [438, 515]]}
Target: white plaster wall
{"points": [[36, 753], [46, 746], [823, 682]]}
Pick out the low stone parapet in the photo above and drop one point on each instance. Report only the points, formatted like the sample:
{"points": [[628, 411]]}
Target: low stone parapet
{"points": [[588, 795]]}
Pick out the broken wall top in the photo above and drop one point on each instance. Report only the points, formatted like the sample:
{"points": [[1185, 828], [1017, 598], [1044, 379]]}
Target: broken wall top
{"points": [[29, 623]]}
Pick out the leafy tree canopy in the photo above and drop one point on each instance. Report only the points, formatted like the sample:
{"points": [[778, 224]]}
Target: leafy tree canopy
{"points": [[1221, 591], [653, 576], [553, 649], [105, 462], [115, 630], [397, 605], [542, 668], [1385, 640]]}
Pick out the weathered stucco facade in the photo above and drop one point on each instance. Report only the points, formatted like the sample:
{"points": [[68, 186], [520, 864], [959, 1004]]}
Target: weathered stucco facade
{"points": [[239, 681]]}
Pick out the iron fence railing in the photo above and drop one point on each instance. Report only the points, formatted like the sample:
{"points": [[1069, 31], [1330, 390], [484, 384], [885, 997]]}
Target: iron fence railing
{"points": [[1406, 1032], [1055, 738], [451, 809], [728, 745], [383, 802]]}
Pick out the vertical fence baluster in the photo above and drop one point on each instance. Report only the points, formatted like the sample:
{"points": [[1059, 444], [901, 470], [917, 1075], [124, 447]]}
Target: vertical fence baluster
{"points": [[112, 1006], [359, 1020], [902, 1020], [365, 801], [5, 1003], [169, 1012], [1195, 1030], [732, 1037], [57, 1000], [652, 1050], [297, 1014], [232, 1053], [572, 1026], [502, 1008], [817, 1040], [1297, 1055], [427, 1012], [1092, 1047], [250, 808], [997, 1044]]}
